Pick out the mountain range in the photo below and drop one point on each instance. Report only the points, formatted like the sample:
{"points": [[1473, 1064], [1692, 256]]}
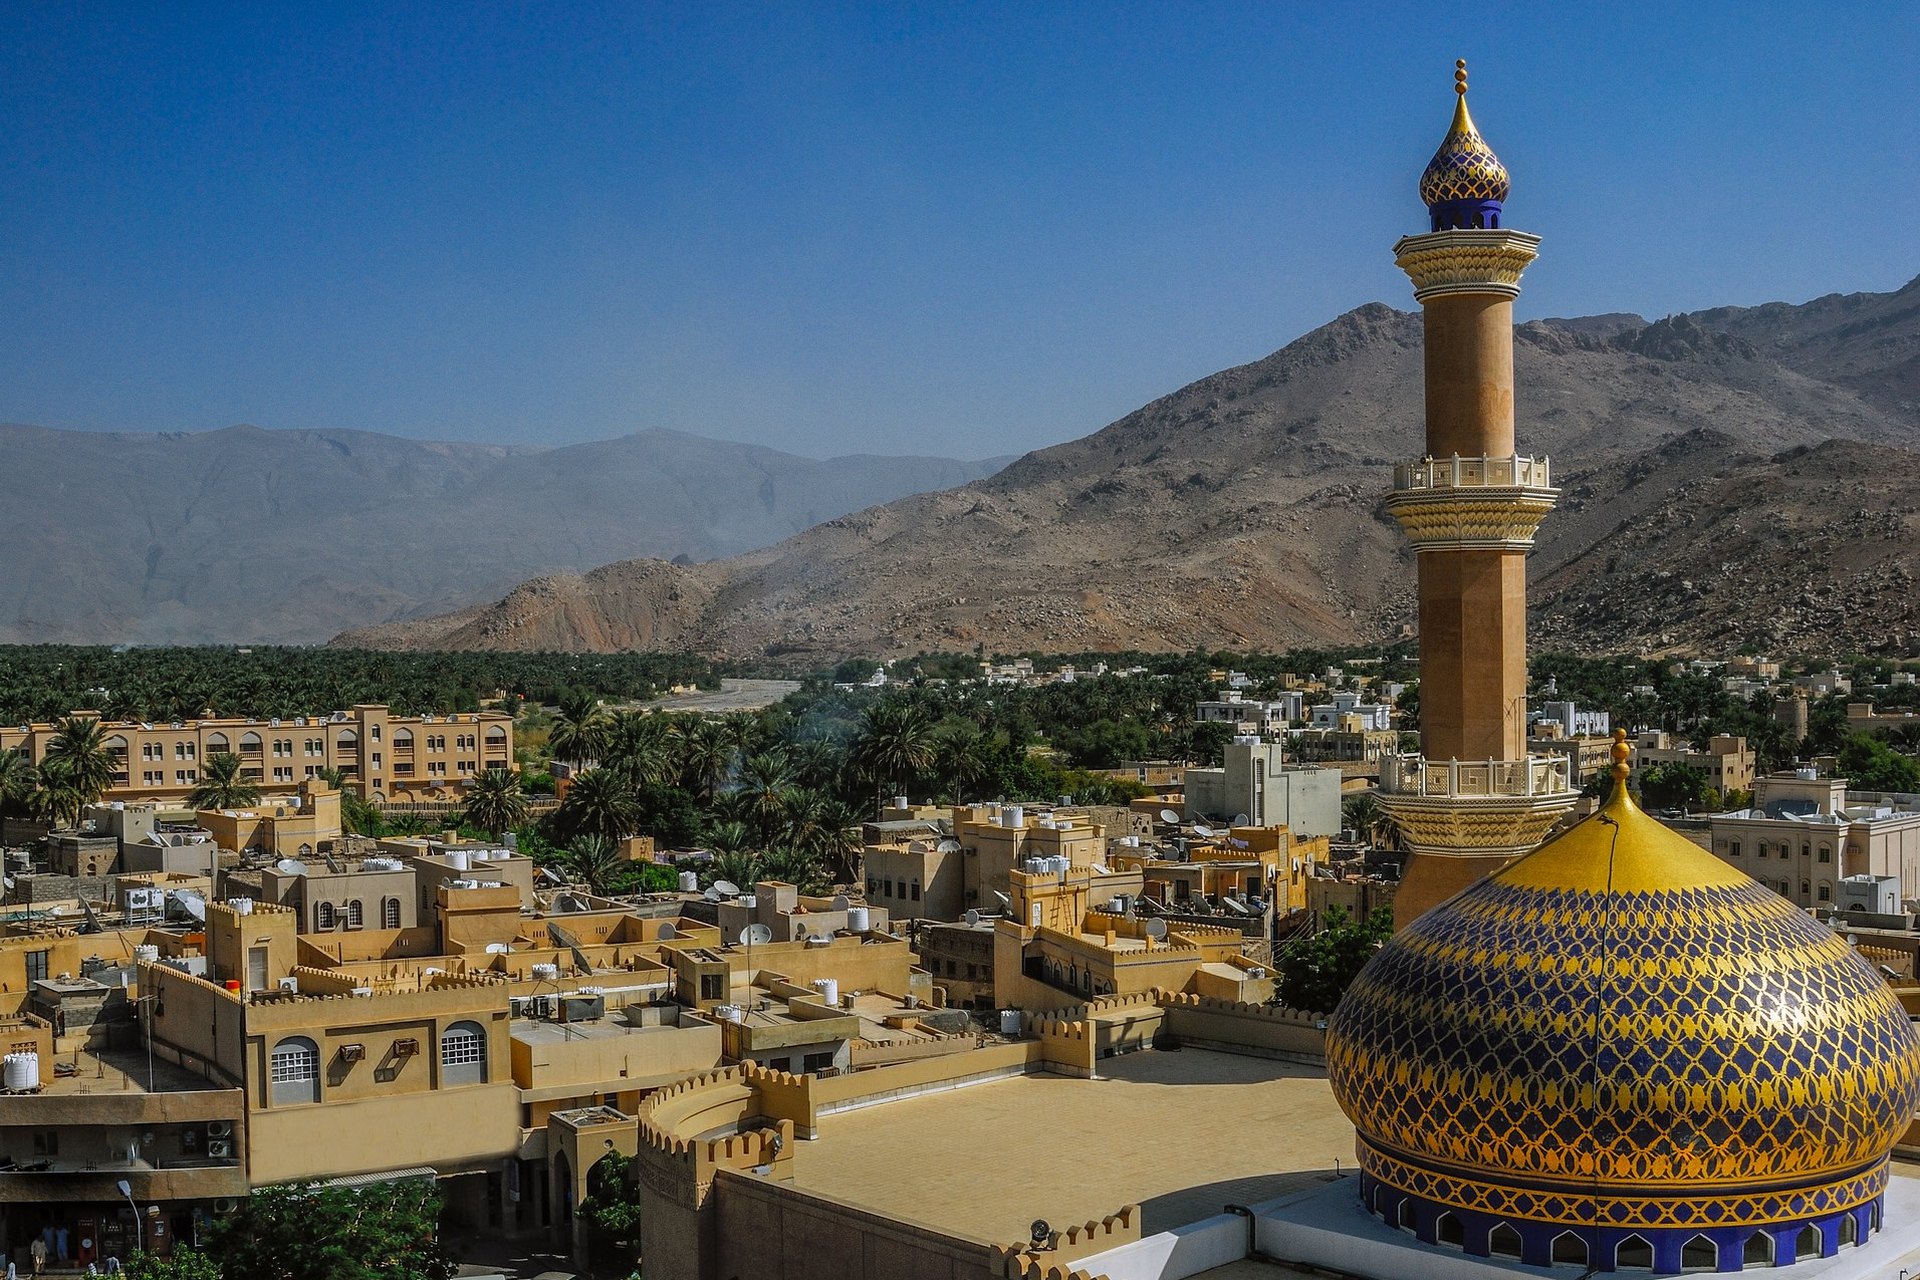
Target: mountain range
{"points": [[1738, 475], [248, 535]]}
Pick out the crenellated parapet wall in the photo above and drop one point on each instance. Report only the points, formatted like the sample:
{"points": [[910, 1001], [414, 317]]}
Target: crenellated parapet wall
{"points": [[1054, 1258], [1236, 1026]]}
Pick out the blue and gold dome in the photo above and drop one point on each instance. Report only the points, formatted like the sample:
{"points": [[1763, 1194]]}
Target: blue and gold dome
{"points": [[1465, 184], [1619, 1049]]}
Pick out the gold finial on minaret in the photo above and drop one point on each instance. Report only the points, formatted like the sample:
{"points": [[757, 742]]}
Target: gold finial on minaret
{"points": [[1460, 77], [1620, 753]]}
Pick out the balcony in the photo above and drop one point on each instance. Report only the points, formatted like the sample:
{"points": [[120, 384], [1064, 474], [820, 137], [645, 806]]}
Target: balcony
{"points": [[1411, 775], [1512, 472]]}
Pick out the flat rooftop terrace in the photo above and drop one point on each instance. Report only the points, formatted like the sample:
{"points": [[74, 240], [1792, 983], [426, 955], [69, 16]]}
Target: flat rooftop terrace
{"points": [[1181, 1134]]}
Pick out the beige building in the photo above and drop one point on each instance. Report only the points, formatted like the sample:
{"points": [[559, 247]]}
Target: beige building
{"points": [[1727, 761], [392, 758], [1805, 832]]}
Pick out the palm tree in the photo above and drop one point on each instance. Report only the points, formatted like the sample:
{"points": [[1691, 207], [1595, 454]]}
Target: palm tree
{"points": [[579, 734], [57, 801], [767, 779], [18, 780], [826, 831], [637, 746], [894, 744], [963, 758], [600, 802], [706, 756], [80, 754], [793, 866], [740, 867], [222, 786], [729, 838], [594, 860], [495, 802]]}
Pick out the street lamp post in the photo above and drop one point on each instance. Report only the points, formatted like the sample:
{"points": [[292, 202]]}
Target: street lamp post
{"points": [[139, 1227]]}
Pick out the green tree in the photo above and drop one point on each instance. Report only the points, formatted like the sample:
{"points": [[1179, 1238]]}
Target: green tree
{"points": [[307, 1231], [612, 1204], [579, 733], [740, 867], [963, 758], [600, 802], [595, 861], [894, 744], [1672, 785], [705, 751], [1869, 764], [495, 803], [1312, 973], [182, 1264], [78, 752], [58, 801], [222, 785], [18, 781]]}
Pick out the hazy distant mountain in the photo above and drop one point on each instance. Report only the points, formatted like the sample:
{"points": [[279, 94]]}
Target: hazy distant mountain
{"points": [[251, 535], [1706, 502]]}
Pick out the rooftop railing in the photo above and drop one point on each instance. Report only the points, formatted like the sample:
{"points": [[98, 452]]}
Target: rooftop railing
{"points": [[1410, 774], [1456, 472]]}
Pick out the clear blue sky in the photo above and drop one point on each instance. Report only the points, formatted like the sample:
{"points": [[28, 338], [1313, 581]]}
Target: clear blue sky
{"points": [[962, 228]]}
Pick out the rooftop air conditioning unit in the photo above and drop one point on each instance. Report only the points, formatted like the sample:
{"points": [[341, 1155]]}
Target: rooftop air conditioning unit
{"points": [[219, 1129], [405, 1048], [289, 984], [352, 1052], [219, 1149]]}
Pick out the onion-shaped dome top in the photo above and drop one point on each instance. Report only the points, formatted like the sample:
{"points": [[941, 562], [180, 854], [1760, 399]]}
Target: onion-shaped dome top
{"points": [[1621, 1022], [1464, 184]]}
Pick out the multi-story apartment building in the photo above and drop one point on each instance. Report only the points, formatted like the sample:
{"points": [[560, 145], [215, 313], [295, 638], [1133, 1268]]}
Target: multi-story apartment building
{"points": [[1805, 833], [1727, 761], [389, 757]]}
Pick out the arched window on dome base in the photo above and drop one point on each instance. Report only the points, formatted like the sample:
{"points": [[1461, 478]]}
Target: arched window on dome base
{"points": [[1806, 1244], [1633, 1254], [1504, 1242], [1699, 1254], [1405, 1216], [1758, 1250], [1448, 1231], [1849, 1229], [1568, 1247]]}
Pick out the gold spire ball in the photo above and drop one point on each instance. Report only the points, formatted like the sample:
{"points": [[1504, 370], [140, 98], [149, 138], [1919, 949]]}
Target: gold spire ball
{"points": [[1464, 168]]}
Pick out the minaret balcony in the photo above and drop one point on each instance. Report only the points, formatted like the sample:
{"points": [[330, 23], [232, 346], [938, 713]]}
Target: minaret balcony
{"points": [[1412, 774], [1472, 503]]}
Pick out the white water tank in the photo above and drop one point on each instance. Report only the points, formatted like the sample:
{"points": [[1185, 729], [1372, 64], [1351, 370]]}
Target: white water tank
{"points": [[21, 1072], [546, 972], [900, 802], [461, 859], [829, 989], [730, 1013], [859, 919], [146, 953], [689, 882], [1013, 816], [1009, 1022], [241, 906]]}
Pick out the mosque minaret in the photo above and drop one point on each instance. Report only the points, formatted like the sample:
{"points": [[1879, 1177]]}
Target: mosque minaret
{"points": [[1473, 798]]}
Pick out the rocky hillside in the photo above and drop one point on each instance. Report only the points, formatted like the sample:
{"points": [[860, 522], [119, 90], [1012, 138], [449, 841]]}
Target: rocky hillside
{"points": [[251, 535], [1245, 509]]}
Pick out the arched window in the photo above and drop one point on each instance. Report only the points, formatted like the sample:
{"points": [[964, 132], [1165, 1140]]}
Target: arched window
{"points": [[390, 914], [1806, 1244], [1826, 892], [463, 1054], [1570, 1248], [1806, 887], [403, 739], [1759, 848], [250, 742], [1733, 849], [1447, 1230], [293, 1072], [1633, 1254], [1849, 1229], [1806, 849], [1405, 1216], [355, 917], [1826, 854], [324, 917], [217, 742], [1758, 1250], [1699, 1254], [496, 736], [1503, 1242]]}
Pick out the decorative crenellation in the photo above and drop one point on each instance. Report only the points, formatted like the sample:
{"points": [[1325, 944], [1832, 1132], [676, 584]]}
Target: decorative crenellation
{"points": [[1471, 260], [1442, 520], [1053, 1260]]}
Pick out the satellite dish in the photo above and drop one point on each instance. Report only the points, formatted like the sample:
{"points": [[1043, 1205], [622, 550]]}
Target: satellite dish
{"points": [[840, 902], [1006, 903], [1241, 819], [1041, 1231], [713, 895], [949, 845], [973, 917], [497, 948], [290, 867], [1170, 816], [799, 930], [1156, 928], [667, 932], [1203, 831], [755, 935], [727, 888]]}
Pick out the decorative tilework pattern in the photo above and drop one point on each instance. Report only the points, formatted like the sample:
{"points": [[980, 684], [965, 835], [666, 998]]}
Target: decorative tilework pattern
{"points": [[1621, 1031], [1464, 168]]}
